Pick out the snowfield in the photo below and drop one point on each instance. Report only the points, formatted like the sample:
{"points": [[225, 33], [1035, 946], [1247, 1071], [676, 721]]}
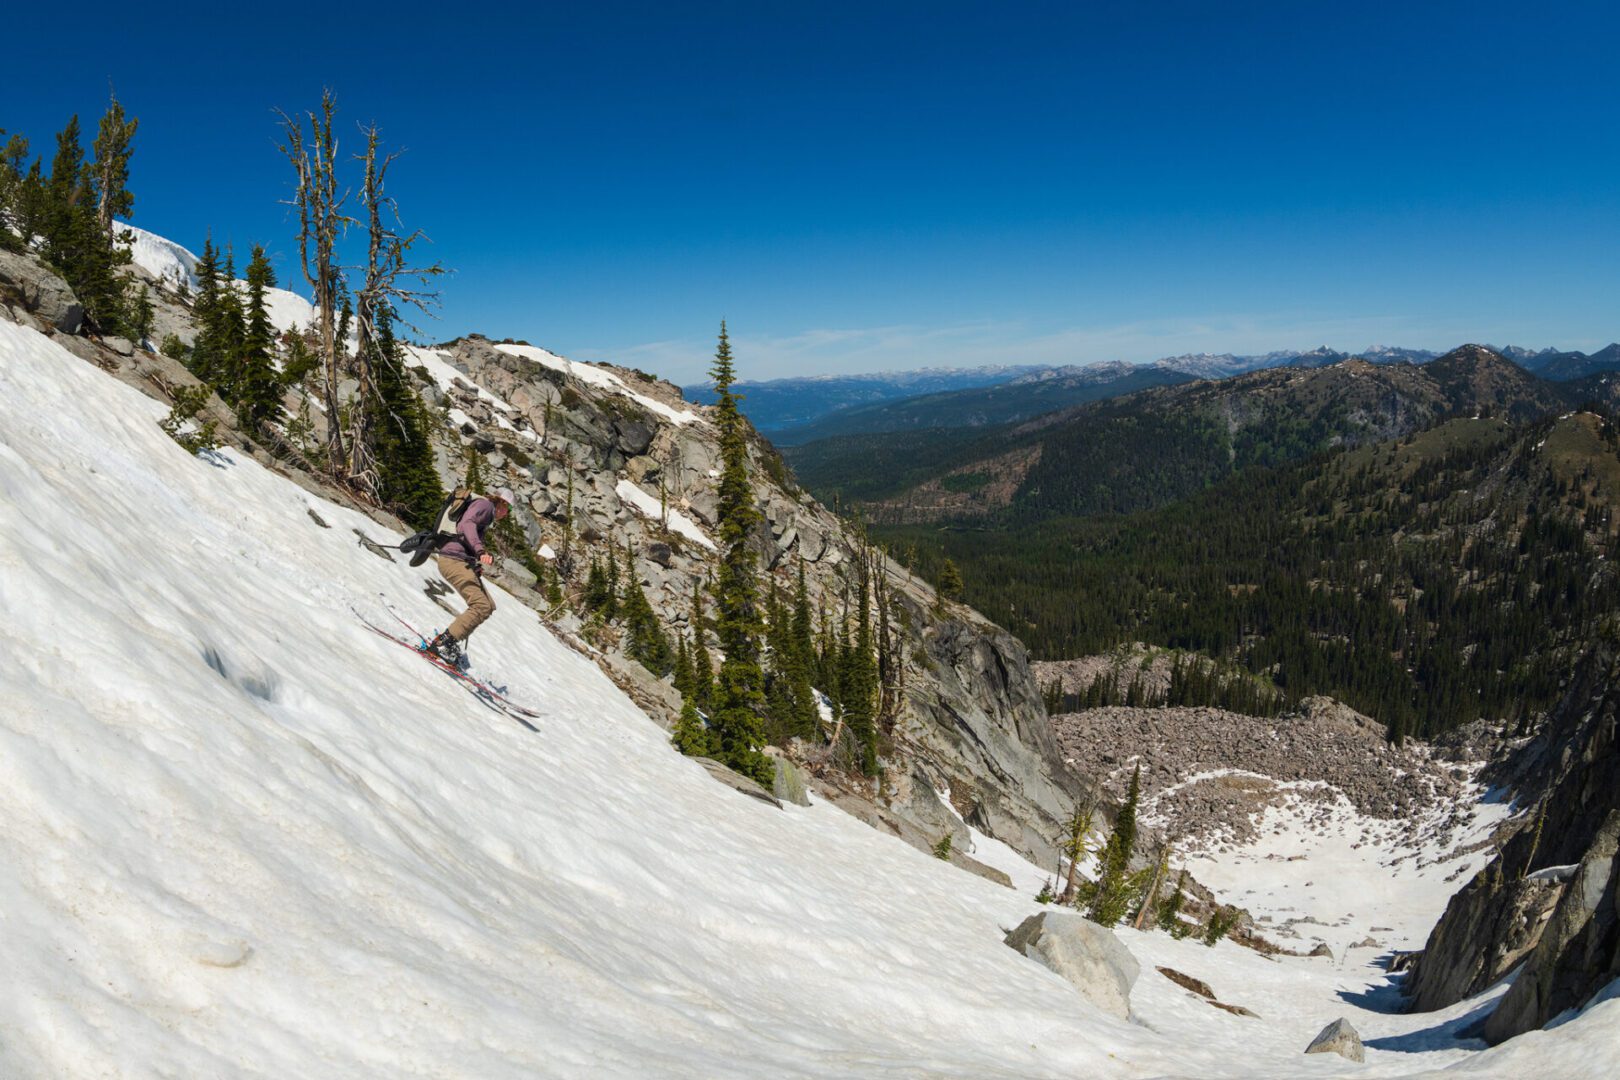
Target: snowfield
{"points": [[242, 835], [176, 267]]}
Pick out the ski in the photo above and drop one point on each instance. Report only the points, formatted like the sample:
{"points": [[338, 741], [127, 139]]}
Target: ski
{"points": [[490, 697]]}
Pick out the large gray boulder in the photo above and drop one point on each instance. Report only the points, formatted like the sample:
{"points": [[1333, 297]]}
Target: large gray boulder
{"points": [[1089, 956], [28, 284], [1579, 951], [1338, 1038]]}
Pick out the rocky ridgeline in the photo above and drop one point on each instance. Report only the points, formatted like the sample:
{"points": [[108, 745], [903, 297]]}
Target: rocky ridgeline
{"points": [[1208, 775]]}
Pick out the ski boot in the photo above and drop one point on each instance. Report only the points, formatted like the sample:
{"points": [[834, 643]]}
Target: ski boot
{"points": [[449, 650]]}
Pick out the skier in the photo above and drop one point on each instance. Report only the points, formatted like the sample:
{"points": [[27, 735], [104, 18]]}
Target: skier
{"points": [[462, 559]]}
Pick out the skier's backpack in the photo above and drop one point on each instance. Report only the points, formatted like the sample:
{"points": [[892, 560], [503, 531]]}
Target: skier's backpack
{"points": [[422, 544]]}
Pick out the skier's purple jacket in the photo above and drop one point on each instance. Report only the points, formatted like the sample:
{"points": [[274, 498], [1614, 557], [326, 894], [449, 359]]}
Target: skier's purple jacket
{"points": [[468, 543]]}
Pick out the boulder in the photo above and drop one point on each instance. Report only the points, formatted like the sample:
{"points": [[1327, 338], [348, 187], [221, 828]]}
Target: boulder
{"points": [[40, 292], [1338, 1038], [1321, 950], [121, 346], [1089, 956], [634, 436], [660, 553], [515, 576]]}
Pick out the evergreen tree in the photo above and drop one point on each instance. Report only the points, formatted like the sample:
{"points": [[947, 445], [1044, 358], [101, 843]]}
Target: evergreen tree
{"points": [[75, 243], [232, 330], [1114, 891], [780, 709], [1168, 916], [596, 586], [802, 646], [475, 472], [682, 675], [1077, 845], [207, 360], [408, 478], [29, 205], [858, 683], [258, 389], [691, 737], [739, 689], [702, 665], [645, 640], [113, 149], [140, 316], [610, 604], [950, 581], [12, 155]]}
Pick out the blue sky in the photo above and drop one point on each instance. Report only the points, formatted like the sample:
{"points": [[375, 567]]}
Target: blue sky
{"points": [[889, 185]]}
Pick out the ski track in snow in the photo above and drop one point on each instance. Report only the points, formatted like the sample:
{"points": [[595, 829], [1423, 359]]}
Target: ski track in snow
{"points": [[246, 836]]}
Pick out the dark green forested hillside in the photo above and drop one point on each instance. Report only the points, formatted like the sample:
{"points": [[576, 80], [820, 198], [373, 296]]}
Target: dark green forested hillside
{"points": [[1159, 445], [1427, 581]]}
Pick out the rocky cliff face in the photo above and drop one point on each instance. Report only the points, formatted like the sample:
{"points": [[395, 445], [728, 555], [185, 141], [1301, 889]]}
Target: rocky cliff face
{"points": [[1548, 898], [642, 466]]}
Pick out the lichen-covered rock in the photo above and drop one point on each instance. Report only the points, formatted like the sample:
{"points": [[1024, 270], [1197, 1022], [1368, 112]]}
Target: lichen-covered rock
{"points": [[791, 785], [1088, 956]]}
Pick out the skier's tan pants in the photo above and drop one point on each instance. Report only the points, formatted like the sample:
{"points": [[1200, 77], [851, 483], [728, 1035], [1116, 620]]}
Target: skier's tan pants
{"points": [[480, 605]]}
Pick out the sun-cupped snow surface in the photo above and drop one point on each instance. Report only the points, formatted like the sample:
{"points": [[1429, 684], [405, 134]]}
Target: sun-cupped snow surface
{"points": [[598, 376], [649, 507], [245, 836]]}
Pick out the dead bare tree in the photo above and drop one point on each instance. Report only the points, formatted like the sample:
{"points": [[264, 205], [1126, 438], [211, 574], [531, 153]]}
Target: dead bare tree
{"points": [[385, 290], [321, 222]]}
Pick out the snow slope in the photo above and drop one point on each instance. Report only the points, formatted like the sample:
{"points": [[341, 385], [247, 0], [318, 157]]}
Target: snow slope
{"points": [[174, 265], [599, 376], [648, 506], [244, 836]]}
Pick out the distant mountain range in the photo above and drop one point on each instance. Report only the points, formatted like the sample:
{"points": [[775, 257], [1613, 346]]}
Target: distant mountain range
{"points": [[775, 405], [797, 411], [1134, 451]]}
